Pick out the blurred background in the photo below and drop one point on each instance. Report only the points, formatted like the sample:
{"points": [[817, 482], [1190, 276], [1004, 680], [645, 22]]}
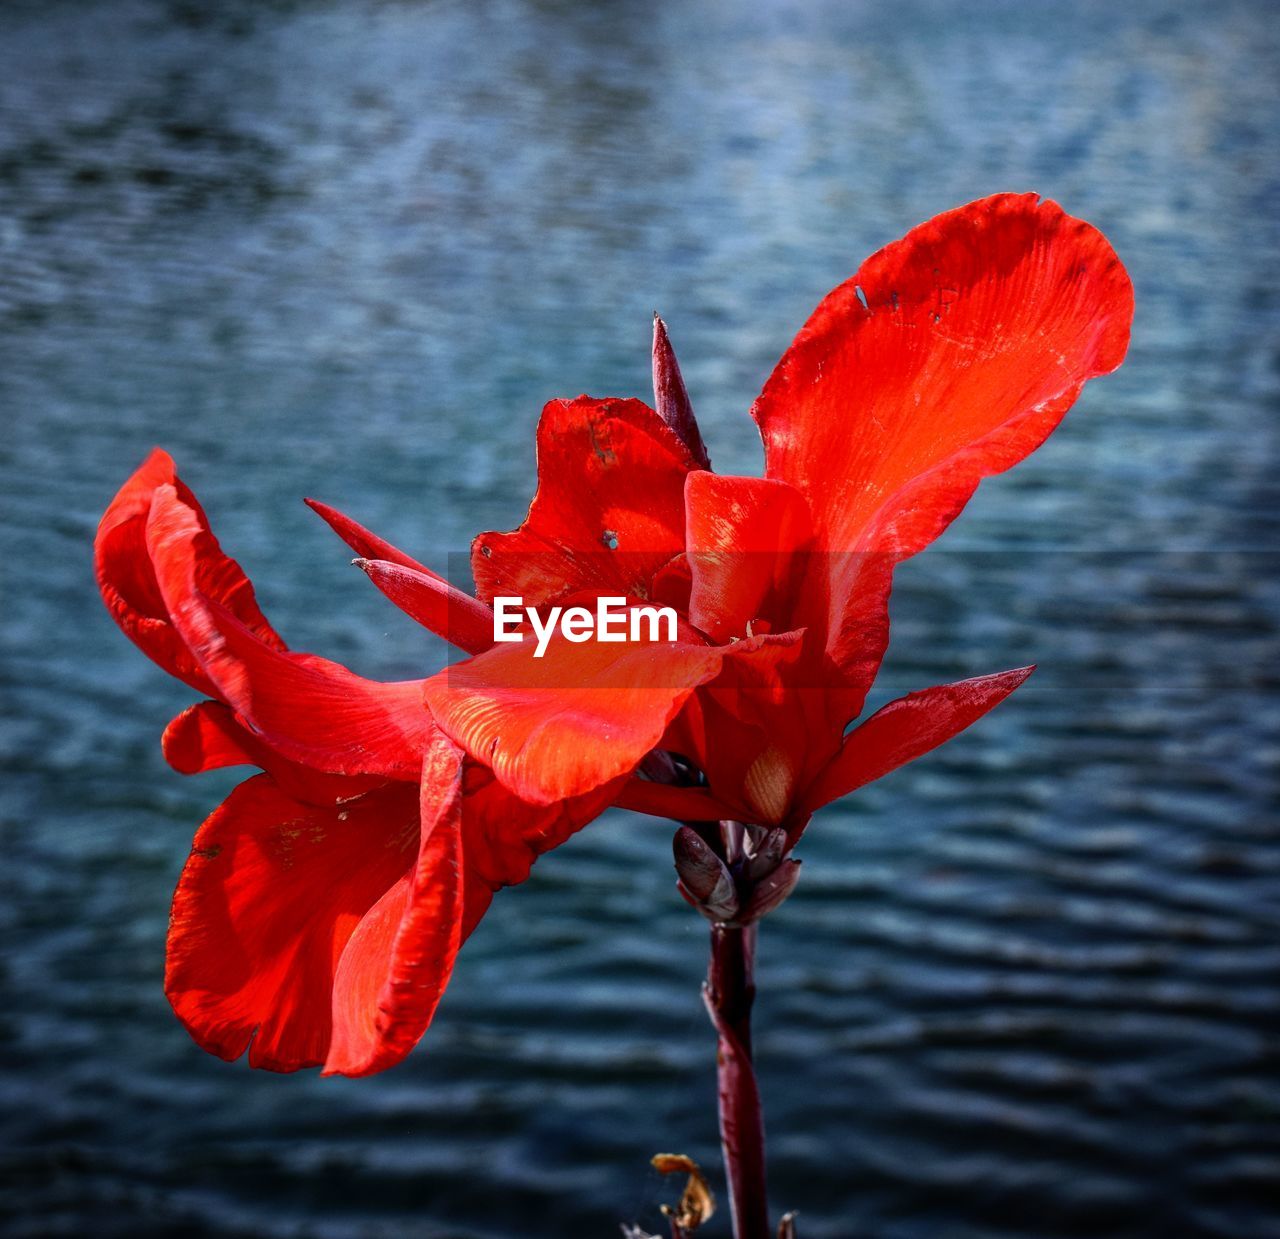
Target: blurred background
{"points": [[1029, 986]]}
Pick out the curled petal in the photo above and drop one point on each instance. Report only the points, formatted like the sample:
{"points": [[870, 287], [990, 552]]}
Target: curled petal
{"points": [[313, 934], [209, 736], [908, 728], [206, 736], [269, 898], [309, 709], [396, 965], [127, 576], [609, 511], [448, 612]]}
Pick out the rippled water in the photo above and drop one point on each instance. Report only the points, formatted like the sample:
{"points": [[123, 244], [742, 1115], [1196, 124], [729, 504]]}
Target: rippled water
{"points": [[1028, 986]]}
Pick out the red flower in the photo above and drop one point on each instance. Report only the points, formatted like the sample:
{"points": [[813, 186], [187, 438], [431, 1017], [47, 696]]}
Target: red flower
{"points": [[318, 917]]}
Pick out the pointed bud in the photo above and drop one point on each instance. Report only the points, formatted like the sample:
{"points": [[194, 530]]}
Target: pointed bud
{"points": [[700, 869], [787, 1227], [772, 891], [703, 875], [670, 397]]}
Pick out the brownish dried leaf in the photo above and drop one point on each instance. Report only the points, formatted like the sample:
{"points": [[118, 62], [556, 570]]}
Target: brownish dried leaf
{"points": [[697, 1203]]}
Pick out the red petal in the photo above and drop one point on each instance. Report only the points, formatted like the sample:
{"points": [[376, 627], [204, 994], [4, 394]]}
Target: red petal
{"points": [[478, 838], [448, 612], [396, 965], [572, 720], [127, 578], [413, 587], [681, 804], [309, 709], [206, 736], [978, 331], [744, 536], [908, 728], [365, 544], [332, 931], [504, 835], [269, 898], [673, 584], [609, 511], [209, 736], [580, 716], [750, 732]]}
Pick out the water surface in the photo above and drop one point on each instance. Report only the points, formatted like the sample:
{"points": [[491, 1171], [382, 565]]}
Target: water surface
{"points": [[1029, 986]]}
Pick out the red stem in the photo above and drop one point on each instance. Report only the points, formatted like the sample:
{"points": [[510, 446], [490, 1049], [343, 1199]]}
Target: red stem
{"points": [[729, 993]]}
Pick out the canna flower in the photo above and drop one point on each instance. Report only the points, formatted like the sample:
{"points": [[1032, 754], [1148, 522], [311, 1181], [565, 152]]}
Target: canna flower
{"points": [[319, 915], [949, 356]]}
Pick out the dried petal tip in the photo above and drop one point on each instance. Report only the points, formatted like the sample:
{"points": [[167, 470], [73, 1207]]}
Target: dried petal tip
{"points": [[670, 397], [697, 1204]]}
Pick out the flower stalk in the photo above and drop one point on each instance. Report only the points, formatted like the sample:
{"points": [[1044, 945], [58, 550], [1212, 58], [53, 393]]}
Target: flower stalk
{"points": [[733, 874], [729, 993]]}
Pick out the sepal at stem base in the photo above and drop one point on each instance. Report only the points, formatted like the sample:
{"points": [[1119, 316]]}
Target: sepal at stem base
{"points": [[771, 891], [704, 878]]}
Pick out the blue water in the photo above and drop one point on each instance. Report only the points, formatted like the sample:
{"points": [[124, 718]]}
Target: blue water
{"points": [[1029, 986]]}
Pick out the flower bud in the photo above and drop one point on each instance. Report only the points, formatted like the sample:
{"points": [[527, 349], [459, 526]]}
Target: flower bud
{"points": [[771, 891], [704, 877], [764, 850]]}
